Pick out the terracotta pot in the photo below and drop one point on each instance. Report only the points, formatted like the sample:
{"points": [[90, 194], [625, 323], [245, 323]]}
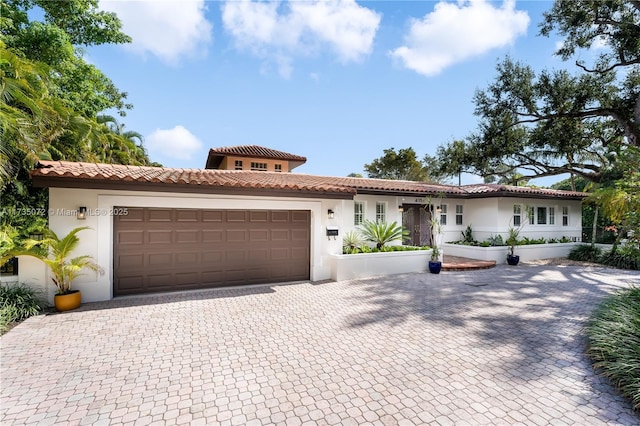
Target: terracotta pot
{"points": [[67, 302]]}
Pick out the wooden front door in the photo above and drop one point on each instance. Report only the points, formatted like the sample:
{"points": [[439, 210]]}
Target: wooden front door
{"points": [[417, 220]]}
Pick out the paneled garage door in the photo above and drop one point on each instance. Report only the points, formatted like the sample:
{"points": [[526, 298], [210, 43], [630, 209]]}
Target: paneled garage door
{"points": [[178, 249]]}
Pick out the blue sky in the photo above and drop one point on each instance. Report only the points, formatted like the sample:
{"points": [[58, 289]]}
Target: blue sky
{"points": [[337, 82]]}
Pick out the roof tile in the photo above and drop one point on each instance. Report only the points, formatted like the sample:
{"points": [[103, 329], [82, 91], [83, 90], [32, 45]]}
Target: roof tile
{"points": [[277, 181]]}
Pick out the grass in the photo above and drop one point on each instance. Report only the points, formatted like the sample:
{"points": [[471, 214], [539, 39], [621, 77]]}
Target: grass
{"points": [[614, 342], [18, 302]]}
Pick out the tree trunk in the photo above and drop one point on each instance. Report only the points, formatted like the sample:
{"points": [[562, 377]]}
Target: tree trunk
{"points": [[594, 227]]}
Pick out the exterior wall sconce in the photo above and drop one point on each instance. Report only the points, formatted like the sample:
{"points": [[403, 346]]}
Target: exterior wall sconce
{"points": [[330, 214], [400, 209], [438, 210], [82, 213]]}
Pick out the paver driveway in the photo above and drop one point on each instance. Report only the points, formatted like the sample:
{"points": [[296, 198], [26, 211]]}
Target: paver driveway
{"points": [[499, 346]]}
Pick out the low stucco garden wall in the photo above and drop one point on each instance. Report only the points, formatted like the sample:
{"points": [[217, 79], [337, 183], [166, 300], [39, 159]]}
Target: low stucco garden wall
{"points": [[362, 265], [499, 254]]}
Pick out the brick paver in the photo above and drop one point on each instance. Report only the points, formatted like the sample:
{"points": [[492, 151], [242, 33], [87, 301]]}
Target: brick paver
{"points": [[498, 346]]}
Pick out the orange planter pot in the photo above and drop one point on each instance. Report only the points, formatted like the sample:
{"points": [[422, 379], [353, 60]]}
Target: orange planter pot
{"points": [[67, 302]]}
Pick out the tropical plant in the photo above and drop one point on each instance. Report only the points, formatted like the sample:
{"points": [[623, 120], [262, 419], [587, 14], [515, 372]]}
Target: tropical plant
{"points": [[614, 341], [435, 253], [351, 242], [495, 240], [585, 253], [512, 239], [467, 235], [624, 257], [56, 257], [18, 302], [382, 233]]}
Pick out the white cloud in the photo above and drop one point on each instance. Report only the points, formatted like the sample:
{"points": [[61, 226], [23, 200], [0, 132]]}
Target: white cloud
{"points": [[454, 32], [278, 31], [169, 30], [177, 143]]}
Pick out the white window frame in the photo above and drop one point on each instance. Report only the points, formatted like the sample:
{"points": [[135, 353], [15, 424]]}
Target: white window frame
{"points": [[552, 215], [459, 214], [531, 212], [381, 212], [358, 216], [443, 214], [541, 215], [517, 215], [565, 215]]}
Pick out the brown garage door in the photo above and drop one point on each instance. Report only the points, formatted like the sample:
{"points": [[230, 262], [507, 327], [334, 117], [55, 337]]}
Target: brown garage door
{"points": [[179, 249]]}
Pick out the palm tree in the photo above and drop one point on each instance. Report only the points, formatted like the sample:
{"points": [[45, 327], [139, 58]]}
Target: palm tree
{"points": [[55, 252]]}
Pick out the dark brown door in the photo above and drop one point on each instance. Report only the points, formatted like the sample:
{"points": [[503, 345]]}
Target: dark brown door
{"points": [[180, 249], [417, 221]]}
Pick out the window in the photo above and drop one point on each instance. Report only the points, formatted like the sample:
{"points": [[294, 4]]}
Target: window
{"points": [[238, 164], [358, 213], [531, 215], [443, 214], [542, 215], [262, 167], [380, 212], [10, 268], [278, 167], [517, 215], [565, 216], [552, 216], [458, 214]]}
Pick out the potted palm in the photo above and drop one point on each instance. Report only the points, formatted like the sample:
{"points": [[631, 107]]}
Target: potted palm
{"points": [[512, 241], [55, 253], [435, 265]]}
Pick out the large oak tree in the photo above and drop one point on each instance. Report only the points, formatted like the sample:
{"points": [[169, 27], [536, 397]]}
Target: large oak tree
{"points": [[556, 121]]}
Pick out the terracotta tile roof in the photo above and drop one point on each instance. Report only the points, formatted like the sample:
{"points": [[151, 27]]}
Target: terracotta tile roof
{"points": [[486, 188], [88, 174], [256, 151]]}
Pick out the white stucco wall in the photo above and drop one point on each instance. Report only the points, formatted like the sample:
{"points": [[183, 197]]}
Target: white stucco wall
{"points": [[98, 241], [486, 216], [492, 216]]}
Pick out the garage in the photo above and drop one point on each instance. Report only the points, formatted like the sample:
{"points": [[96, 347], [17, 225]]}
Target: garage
{"points": [[158, 250]]}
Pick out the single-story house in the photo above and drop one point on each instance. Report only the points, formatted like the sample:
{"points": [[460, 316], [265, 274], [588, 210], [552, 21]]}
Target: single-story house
{"points": [[159, 229]]}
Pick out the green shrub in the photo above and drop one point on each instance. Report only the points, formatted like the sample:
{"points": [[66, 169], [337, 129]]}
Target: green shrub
{"points": [[585, 253], [351, 242], [624, 257], [495, 240], [614, 341], [18, 302], [467, 235], [382, 233]]}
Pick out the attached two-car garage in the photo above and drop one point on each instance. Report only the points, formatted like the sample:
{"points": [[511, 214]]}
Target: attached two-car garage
{"points": [[159, 250]]}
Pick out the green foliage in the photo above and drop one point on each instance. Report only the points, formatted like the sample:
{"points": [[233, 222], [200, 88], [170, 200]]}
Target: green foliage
{"points": [[467, 235], [382, 233], [401, 165], [623, 257], [614, 341], [495, 240], [352, 242], [529, 241], [50, 98], [585, 253], [18, 302], [553, 122], [56, 256]]}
